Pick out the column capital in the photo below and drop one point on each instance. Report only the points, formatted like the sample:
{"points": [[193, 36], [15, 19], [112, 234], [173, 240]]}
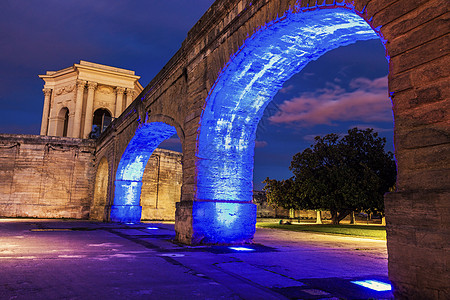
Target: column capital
{"points": [[47, 92], [92, 85], [129, 96], [120, 90], [80, 83]]}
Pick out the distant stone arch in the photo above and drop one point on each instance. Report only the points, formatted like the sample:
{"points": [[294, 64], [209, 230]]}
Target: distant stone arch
{"points": [[101, 186], [169, 121], [128, 181]]}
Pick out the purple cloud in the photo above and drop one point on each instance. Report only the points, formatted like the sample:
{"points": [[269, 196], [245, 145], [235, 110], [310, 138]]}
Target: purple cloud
{"points": [[287, 89], [260, 144], [368, 102]]}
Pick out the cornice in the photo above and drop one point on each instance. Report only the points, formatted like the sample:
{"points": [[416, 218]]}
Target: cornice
{"points": [[79, 67]]}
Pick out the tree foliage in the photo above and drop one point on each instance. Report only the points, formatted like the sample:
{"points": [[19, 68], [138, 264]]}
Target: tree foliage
{"points": [[341, 175], [282, 193]]}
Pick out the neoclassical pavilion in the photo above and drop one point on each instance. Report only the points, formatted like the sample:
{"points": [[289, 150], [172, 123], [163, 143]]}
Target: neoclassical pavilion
{"points": [[82, 95]]}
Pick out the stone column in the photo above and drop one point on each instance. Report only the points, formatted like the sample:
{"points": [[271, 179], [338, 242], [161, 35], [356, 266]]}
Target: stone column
{"points": [[126, 206], [119, 101], [129, 96], [78, 109], [44, 123], [89, 109]]}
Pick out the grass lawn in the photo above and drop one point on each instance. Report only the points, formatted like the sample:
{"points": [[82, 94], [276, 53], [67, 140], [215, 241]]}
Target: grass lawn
{"points": [[367, 231]]}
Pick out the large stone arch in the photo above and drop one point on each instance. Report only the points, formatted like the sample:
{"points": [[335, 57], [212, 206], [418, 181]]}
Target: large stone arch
{"points": [[235, 105], [130, 170]]}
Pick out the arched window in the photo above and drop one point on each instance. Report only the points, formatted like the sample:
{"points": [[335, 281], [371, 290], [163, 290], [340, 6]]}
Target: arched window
{"points": [[63, 122], [102, 119], [66, 122]]}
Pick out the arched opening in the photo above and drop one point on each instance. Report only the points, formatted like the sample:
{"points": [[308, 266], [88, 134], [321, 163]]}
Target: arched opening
{"points": [[237, 101], [161, 185], [100, 191], [62, 122], [344, 88], [102, 119], [128, 182], [161, 182]]}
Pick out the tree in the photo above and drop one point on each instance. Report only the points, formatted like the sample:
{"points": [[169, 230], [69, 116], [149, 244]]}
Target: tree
{"points": [[285, 194], [281, 193], [344, 175]]}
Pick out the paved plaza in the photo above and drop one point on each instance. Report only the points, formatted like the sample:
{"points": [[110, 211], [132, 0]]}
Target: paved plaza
{"points": [[67, 259]]}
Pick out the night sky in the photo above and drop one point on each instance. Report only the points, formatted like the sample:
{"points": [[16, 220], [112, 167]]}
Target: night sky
{"points": [[344, 88]]}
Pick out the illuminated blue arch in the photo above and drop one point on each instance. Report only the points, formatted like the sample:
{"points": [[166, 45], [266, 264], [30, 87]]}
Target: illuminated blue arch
{"points": [[131, 168], [237, 101]]}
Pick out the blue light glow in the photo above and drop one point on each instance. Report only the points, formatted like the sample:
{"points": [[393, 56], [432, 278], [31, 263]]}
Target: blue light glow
{"points": [[245, 86], [223, 223], [152, 228], [241, 249], [375, 285], [131, 168]]}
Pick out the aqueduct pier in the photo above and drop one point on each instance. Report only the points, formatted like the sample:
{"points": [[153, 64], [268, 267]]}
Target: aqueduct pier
{"points": [[212, 94]]}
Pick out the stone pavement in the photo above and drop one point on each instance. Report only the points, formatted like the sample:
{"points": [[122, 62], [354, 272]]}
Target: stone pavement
{"points": [[67, 259]]}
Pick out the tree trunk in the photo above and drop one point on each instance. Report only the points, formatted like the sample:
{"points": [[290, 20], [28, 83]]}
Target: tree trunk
{"points": [[291, 213], [319, 217], [336, 218], [383, 220], [352, 218]]}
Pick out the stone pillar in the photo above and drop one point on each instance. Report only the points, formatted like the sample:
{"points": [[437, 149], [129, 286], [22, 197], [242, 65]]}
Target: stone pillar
{"points": [[215, 222], [127, 195], [119, 101], [44, 124], [89, 109], [78, 109], [129, 96]]}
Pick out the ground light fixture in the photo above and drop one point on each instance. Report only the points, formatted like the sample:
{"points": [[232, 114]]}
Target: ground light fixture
{"points": [[152, 228], [241, 249], [375, 285]]}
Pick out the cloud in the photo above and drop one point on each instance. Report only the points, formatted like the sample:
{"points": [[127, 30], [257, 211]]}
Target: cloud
{"points": [[308, 75], [311, 137], [368, 101], [260, 144], [367, 84], [287, 89]]}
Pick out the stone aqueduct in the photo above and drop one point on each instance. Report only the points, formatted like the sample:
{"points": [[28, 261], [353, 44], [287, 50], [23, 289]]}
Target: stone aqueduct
{"points": [[212, 94]]}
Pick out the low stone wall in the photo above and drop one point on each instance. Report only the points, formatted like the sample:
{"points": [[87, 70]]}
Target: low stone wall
{"points": [[45, 177], [265, 210]]}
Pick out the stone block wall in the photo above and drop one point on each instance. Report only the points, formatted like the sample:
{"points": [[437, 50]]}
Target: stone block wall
{"points": [[45, 177], [161, 185]]}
